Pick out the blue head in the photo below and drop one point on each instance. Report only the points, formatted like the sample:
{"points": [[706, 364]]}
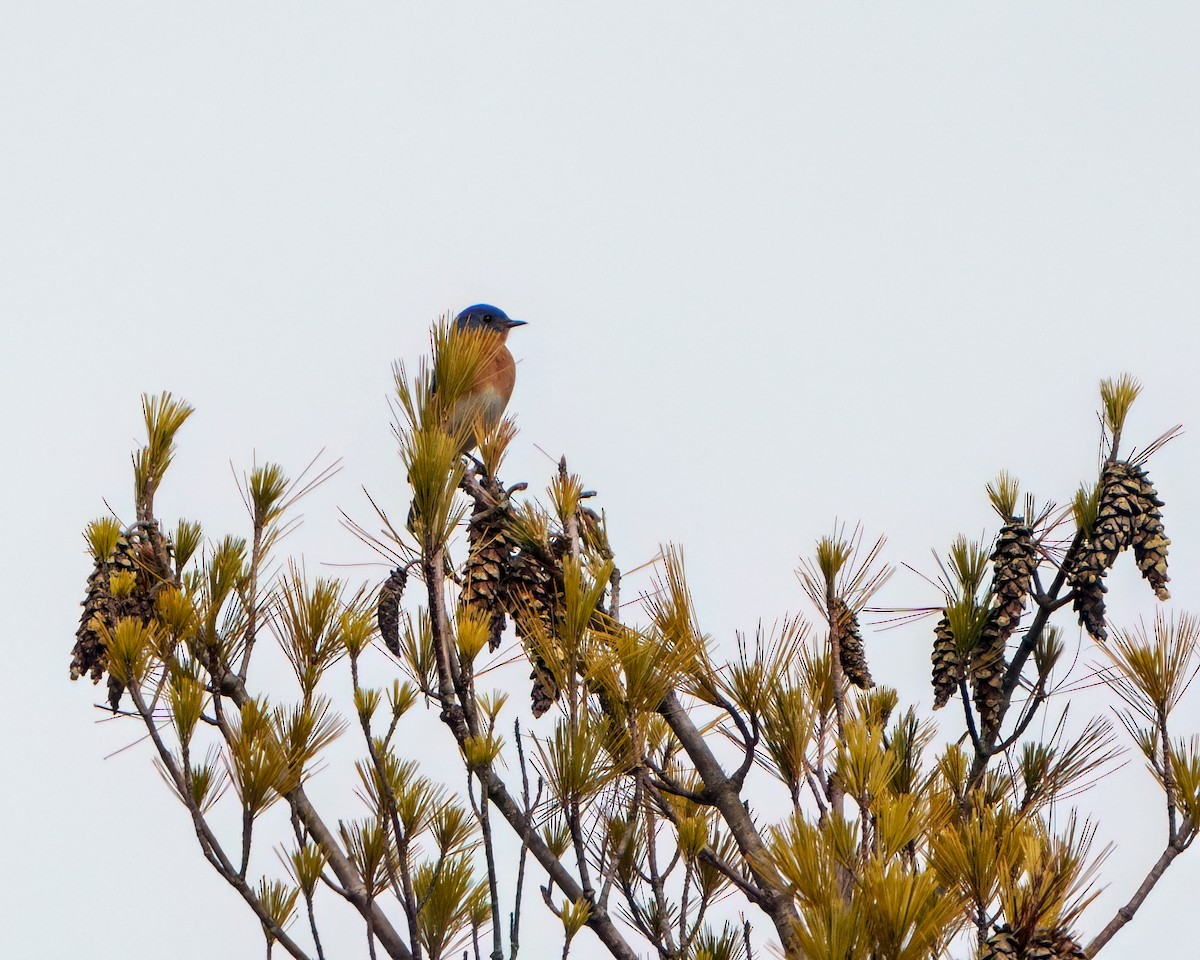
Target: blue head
{"points": [[483, 316]]}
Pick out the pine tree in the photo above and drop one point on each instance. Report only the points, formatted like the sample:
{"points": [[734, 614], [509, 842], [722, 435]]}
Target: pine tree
{"points": [[638, 780]]}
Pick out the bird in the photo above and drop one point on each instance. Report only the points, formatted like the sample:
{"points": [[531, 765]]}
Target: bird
{"points": [[484, 401]]}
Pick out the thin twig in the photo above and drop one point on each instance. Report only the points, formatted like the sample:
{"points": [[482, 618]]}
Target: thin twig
{"points": [[1126, 913]]}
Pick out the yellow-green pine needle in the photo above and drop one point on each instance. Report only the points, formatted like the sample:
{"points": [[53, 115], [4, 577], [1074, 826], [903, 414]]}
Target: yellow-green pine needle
{"points": [[416, 651], [1155, 670], [129, 646], [557, 837], [223, 572], [355, 627], [573, 762], [863, 766], [1116, 397], [565, 491], [1085, 506], [968, 565], [967, 618], [876, 706], [787, 732], [368, 844], [306, 864], [575, 915], [267, 486], [494, 444], [309, 620], [163, 417], [581, 597], [176, 612], [479, 906], [832, 554], [259, 763], [186, 695], [458, 357], [401, 697], [472, 632], [479, 752], [671, 609], [529, 526], [692, 835], [434, 467], [1003, 493], [278, 902], [453, 829], [1048, 650], [1185, 770], [417, 799], [102, 535], [302, 732], [122, 583], [187, 540], [366, 701], [448, 892], [490, 704], [209, 781], [726, 945]]}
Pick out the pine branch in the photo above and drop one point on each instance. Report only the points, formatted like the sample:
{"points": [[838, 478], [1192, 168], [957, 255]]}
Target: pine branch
{"points": [[455, 717], [352, 887], [208, 841], [720, 791], [1173, 849]]}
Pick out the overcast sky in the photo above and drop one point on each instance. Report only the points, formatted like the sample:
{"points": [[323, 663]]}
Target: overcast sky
{"points": [[782, 264]]}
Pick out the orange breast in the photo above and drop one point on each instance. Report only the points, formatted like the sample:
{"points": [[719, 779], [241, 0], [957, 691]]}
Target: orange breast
{"points": [[485, 404]]}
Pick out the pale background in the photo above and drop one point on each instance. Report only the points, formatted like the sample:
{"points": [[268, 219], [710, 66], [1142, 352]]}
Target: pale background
{"points": [[781, 265]]}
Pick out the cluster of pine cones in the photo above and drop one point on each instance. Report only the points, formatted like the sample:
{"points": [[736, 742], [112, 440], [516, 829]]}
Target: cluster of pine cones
{"points": [[500, 579], [1128, 515], [1005, 944], [1014, 560], [122, 584]]}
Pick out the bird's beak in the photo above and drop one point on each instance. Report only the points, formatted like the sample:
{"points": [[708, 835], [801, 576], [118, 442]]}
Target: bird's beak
{"points": [[515, 323]]}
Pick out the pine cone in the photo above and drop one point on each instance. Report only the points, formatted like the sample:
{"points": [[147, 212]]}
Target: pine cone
{"points": [[1067, 948], [1128, 516], [986, 670], [1150, 539], [387, 613], [1006, 944], [947, 663], [99, 607], [1087, 579], [531, 597], [1001, 945], [142, 556], [1052, 945], [1120, 505], [486, 568], [1013, 562], [850, 647], [543, 693]]}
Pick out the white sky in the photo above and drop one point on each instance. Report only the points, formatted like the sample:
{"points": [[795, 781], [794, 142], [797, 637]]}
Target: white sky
{"points": [[782, 265]]}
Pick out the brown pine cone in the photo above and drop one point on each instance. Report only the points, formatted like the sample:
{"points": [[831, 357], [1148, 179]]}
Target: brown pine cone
{"points": [[387, 613], [142, 562], [852, 656], [947, 663]]}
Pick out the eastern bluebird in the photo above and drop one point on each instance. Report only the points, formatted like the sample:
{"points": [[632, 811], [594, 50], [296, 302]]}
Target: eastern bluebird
{"points": [[485, 400]]}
